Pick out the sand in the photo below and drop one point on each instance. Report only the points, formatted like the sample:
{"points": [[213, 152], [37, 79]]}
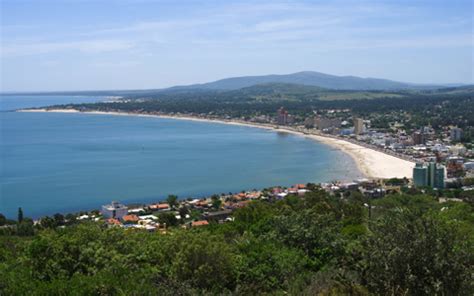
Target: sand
{"points": [[372, 163]]}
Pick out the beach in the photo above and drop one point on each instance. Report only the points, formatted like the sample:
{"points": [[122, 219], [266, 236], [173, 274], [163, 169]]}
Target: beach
{"points": [[372, 163]]}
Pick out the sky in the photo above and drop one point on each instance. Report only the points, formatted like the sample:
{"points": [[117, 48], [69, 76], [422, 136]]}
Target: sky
{"points": [[49, 45]]}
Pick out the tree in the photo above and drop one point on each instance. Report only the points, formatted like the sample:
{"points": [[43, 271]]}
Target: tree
{"points": [[47, 222], [25, 228], [58, 219], [409, 253], [20, 215], [71, 219], [172, 200], [3, 220], [167, 218], [183, 211], [216, 201], [199, 255]]}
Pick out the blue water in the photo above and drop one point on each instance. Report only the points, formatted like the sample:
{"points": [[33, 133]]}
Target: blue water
{"points": [[13, 102], [55, 162]]}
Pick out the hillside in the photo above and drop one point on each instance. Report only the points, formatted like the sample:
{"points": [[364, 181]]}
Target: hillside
{"points": [[309, 78]]}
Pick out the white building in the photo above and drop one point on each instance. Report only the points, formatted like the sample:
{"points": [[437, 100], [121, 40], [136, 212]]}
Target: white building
{"points": [[114, 210]]}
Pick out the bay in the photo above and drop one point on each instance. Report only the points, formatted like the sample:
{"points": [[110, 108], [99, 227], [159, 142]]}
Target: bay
{"points": [[57, 162]]}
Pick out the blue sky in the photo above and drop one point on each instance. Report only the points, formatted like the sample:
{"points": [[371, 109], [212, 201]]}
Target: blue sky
{"points": [[137, 44]]}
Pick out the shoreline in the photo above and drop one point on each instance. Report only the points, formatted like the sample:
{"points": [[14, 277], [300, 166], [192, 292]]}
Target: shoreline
{"points": [[371, 163]]}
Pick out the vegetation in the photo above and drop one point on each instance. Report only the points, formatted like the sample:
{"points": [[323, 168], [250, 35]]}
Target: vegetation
{"points": [[311, 245], [413, 109]]}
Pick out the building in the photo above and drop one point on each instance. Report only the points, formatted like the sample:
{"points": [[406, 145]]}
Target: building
{"points": [[282, 116], [160, 207], [217, 216], [309, 122], [132, 218], [199, 223], [420, 175], [455, 134], [469, 165], [429, 175], [115, 210], [322, 123], [419, 138], [455, 166], [358, 126]]}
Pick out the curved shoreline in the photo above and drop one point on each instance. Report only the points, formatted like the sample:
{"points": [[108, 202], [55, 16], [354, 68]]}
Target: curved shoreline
{"points": [[370, 162]]}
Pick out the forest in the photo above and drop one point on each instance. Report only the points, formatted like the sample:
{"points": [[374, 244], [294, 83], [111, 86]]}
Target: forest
{"points": [[451, 106], [316, 244]]}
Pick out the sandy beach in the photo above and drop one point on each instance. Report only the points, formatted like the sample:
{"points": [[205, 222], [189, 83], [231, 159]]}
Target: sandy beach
{"points": [[372, 163]]}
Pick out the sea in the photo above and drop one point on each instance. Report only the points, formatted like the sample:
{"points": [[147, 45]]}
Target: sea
{"points": [[68, 162]]}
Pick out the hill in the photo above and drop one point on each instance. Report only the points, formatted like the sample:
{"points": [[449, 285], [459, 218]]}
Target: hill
{"points": [[308, 78]]}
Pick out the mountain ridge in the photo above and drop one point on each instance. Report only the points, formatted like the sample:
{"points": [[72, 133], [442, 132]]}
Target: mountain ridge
{"points": [[311, 78], [304, 78]]}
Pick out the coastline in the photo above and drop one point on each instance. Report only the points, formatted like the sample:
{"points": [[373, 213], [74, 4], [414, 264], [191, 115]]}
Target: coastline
{"points": [[371, 163]]}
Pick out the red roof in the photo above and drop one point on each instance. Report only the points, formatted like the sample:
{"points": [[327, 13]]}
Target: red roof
{"points": [[163, 206], [130, 218], [199, 223], [241, 204], [113, 221]]}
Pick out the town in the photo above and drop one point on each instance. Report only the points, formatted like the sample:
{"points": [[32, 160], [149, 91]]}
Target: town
{"points": [[189, 213]]}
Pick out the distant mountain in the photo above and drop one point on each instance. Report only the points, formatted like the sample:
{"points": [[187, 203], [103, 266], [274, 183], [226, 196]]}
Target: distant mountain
{"points": [[307, 78], [306, 81]]}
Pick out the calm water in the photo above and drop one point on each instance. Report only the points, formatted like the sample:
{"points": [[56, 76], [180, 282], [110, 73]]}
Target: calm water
{"points": [[53, 162]]}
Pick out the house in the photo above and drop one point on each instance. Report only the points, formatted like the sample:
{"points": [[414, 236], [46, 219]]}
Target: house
{"points": [[199, 223], [136, 210], [113, 222], [131, 218], [114, 210], [217, 216], [302, 192], [202, 204], [150, 228], [293, 190], [163, 207]]}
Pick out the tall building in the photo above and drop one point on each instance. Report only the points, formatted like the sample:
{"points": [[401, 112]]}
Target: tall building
{"points": [[282, 116], [455, 134], [309, 122], [420, 175], [419, 138], [324, 122], [431, 175], [114, 210], [358, 126]]}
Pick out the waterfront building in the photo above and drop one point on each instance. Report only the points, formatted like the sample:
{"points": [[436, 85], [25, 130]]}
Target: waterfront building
{"points": [[326, 123], [282, 116], [430, 175], [358, 126], [114, 210], [455, 134], [309, 122]]}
